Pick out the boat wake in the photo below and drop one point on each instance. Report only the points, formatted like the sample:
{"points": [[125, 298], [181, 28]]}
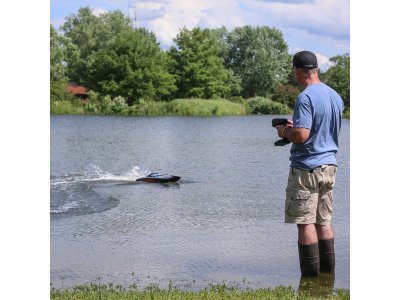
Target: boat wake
{"points": [[96, 174], [75, 194]]}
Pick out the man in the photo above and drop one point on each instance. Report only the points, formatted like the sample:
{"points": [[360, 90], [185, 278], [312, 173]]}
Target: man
{"points": [[314, 133]]}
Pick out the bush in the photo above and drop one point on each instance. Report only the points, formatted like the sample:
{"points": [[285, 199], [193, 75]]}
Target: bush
{"points": [[189, 107], [59, 92], [105, 104], [261, 105], [286, 94], [119, 106], [346, 113], [66, 108]]}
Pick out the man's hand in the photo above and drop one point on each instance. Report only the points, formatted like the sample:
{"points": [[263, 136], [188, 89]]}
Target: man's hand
{"points": [[281, 128], [295, 135]]}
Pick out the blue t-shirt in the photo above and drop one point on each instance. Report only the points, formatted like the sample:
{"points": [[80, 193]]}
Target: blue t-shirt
{"points": [[318, 108]]}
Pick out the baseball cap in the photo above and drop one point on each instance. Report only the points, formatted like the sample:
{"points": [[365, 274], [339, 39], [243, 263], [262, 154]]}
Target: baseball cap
{"points": [[305, 60]]}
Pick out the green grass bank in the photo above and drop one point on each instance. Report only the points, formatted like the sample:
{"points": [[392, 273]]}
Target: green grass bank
{"points": [[189, 107], [176, 107], [213, 292]]}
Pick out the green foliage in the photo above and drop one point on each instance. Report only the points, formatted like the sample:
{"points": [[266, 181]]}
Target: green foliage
{"points": [[198, 68], [261, 105], [94, 96], [346, 113], [189, 107], [59, 92], [214, 292], [131, 65], [286, 94], [58, 79], [57, 68], [119, 106], [66, 108], [220, 36], [338, 77], [89, 34], [95, 105], [259, 55]]}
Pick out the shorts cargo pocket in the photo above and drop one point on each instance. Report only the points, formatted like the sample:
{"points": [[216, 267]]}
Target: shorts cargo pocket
{"points": [[299, 206]]}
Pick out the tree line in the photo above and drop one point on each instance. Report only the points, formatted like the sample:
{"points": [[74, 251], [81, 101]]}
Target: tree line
{"points": [[113, 59]]}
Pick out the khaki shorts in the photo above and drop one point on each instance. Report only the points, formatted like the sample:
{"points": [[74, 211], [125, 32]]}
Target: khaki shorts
{"points": [[309, 195]]}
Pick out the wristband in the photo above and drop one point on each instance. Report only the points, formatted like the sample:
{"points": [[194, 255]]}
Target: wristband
{"points": [[283, 132]]}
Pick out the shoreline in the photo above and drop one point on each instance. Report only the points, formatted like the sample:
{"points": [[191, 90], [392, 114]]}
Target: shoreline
{"points": [[309, 289]]}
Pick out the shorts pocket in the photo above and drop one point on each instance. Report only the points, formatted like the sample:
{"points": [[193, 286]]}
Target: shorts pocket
{"points": [[299, 205]]}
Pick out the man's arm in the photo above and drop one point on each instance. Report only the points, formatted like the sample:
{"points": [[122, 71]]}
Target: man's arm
{"points": [[295, 135]]}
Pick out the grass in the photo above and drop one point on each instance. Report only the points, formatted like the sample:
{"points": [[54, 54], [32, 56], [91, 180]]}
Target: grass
{"points": [[213, 292], [177, 107], [190, 107], [66, 107]]}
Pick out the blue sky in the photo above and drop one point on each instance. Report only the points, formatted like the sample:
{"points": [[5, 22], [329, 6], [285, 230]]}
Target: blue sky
{"points": [[322, 26]]}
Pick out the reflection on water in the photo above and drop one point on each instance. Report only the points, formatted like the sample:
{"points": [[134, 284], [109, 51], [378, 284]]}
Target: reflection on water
{"points": [[319, 287], [224, 221]]}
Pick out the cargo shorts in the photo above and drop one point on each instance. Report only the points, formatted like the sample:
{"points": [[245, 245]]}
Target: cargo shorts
{"points": [[309, 195]]}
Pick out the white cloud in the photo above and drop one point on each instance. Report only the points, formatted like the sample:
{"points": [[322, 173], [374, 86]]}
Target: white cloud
{"points": [[192, 13], [230, 16], [323, 62], [304, 40], [323, 17], [149, 10], [99, 11]]}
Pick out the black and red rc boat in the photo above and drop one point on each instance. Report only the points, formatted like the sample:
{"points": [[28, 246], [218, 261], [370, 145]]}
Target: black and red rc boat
{"points": [[157, 177]]}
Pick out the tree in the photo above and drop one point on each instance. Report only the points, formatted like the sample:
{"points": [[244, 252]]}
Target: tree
{"points": [[57, 66], [89, 34], [131, 65], [338, 77], [286, 94], [199, 70], [58, 79], [220, 36], [259, 55]]}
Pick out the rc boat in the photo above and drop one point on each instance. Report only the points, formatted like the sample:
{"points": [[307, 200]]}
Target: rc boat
{"points": [[157, 177]]}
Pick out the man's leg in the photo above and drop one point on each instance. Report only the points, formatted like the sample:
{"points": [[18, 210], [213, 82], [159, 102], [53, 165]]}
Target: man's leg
{"points": [[307, 234], [326, 248], [324, 217], [308, 250], [300, 208]]}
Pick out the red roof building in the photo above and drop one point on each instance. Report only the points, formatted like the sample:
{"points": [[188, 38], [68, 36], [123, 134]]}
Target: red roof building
{"points": [[78, 90]]}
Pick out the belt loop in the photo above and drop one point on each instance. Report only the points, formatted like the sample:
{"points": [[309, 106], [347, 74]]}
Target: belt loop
{"points": [[312, 170], [292, 170]]}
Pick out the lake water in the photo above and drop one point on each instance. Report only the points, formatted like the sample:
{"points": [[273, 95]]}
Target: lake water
{"points": [[222, 222]]}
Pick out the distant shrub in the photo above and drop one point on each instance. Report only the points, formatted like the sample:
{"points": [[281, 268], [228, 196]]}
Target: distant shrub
{"points": [[94, 96], [104, 105], [119, 106], [286, 94], [59, 92], [189, 107], [346, 113], [66, 108], [261, 105]]}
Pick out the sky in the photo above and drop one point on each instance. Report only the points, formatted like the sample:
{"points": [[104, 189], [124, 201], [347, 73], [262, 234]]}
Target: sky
{"points": [[321, 26]]}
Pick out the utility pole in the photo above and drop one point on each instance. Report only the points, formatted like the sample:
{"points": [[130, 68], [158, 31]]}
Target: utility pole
{"points": [[132, 10]]}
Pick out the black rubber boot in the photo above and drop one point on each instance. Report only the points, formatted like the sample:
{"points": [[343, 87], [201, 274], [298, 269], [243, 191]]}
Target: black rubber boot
{"points": [[309, 260], [327, 256]]}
